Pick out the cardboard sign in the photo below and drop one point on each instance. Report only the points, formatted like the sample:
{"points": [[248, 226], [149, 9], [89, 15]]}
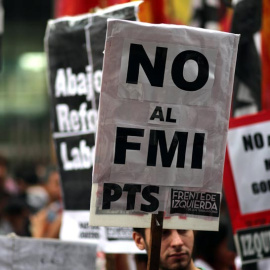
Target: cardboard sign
{"points": [[253, 243], [32, 254], [250, 145], [74, 47], [74, 117], [163, 120], [246, 179]]}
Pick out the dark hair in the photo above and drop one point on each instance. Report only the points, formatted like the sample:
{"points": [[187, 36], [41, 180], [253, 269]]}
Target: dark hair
{"points": [[27, 173], [15, 206], [3, 161], [141, 231], [206, 242]]}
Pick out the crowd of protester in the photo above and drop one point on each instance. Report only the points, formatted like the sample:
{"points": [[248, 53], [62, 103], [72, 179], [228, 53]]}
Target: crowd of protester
{"points": [[30, 200], [31, 206]]}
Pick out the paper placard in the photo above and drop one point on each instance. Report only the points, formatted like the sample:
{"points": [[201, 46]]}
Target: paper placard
{"points": [[32, 254], [163, 119]]}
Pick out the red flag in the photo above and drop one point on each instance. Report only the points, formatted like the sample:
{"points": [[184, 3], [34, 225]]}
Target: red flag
{"points": [[266, 55]]}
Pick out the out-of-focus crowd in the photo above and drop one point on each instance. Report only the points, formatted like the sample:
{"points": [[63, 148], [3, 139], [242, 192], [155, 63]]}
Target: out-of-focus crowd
{"points": [[31, 205], [30, 200]]}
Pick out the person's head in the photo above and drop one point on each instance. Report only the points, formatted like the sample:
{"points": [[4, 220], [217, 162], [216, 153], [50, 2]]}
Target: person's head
{"points": [[26, 176], [16, 213], [51, 180], [176, 247]]}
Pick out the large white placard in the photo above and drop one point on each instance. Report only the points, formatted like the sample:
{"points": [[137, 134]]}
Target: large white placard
{"points": [[163, 119], [248, 148]]}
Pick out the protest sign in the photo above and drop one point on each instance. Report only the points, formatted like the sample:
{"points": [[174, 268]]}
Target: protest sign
{"points": [[163, 119], [73, 117], [32, 254], [74, 47], [246, 184], [253, 243]]}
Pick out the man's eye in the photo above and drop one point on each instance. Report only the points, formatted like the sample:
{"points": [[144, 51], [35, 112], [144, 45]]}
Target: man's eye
{"points": [[182, 231], [165, 232]]}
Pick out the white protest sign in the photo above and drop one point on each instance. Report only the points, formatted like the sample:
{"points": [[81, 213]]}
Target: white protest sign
{"points": [[163, 119], [33, 254], [250, 145]]}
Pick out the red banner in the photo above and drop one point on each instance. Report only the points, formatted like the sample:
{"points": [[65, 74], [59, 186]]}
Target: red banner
{"points": [[266, 55], [71, 7]]}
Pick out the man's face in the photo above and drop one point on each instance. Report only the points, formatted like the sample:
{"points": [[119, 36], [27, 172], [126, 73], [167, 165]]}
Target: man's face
{"points": [[176, 249]]}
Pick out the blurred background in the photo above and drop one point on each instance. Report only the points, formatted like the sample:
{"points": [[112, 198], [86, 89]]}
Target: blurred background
{"points": [[24, 106], [27, 156], [24, 100]]}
